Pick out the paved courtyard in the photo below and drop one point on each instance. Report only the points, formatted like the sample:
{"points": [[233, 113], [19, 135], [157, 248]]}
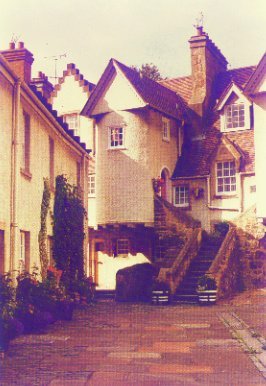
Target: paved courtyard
{"points": [[136, 344]]}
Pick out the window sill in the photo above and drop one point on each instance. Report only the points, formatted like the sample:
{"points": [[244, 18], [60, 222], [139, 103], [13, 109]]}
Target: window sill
{"points": [[117, 148], [166, 140], [26, 174], [185, 207], [224, 196]]}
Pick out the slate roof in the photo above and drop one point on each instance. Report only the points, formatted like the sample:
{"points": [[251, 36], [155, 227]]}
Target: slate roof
{"points": [[153, 93]]}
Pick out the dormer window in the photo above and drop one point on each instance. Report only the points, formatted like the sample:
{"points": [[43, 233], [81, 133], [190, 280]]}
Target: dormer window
{"points": [[234, 116]]}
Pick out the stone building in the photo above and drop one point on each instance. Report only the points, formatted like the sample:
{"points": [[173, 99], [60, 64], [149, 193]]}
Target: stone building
{"points": [[35, 144], [197, 141]]}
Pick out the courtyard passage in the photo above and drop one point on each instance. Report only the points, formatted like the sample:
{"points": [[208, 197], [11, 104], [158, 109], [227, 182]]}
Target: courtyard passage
{"points": [[139, 344]]}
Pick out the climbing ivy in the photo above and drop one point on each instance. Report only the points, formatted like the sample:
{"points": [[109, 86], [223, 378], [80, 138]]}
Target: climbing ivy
{"points": [[42, 238], [68, 231]]}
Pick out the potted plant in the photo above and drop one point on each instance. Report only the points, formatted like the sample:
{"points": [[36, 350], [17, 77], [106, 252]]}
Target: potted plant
{"points": [[160, 293], [207, 290]]}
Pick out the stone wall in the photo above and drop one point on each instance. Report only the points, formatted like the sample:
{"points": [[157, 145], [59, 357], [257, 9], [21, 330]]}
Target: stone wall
{"points": [[252, 249]]}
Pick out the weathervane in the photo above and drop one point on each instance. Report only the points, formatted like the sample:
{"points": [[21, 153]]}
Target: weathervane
{"points": [[199, 21]]}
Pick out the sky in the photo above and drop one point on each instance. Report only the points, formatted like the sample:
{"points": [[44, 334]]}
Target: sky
{"points": [[90, 32]]}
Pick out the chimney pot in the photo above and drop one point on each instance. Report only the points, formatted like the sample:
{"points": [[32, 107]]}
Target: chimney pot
{"points": [[11, 45], [20, 45], [39, 74], [200, 30]]}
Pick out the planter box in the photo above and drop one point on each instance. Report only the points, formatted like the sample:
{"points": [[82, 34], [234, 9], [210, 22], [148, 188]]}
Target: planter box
{"points": [[160, 297], [207, 296]]}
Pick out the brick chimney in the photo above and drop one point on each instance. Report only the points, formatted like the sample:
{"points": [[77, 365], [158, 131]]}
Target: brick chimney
{"points": [[43, 85], [206, 62], [20, 60]]}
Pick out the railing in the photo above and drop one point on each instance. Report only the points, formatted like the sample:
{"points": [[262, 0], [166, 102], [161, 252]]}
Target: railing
{"points": [[224, 269], [175, 274]]}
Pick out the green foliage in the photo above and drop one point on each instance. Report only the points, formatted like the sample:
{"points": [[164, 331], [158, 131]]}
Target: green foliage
{"points": [[7, 297], [221, 228], [68, 231], [42, 238], [206, 283], [149, 70]]}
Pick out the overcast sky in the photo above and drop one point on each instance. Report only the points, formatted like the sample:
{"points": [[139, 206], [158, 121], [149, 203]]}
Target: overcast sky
{"points": [[90, 32]]}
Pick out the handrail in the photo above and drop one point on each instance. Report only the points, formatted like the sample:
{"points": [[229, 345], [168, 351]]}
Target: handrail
{"points": [[223, 251], [224, 268], [175, 274]]}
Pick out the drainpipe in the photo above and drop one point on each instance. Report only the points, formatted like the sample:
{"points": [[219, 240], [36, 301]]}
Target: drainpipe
{"points": [[14, 176], [85, 203]]}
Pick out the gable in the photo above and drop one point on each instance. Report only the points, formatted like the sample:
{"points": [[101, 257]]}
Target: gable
{"points": [[118, 95], [231, 95], [70, 97]]}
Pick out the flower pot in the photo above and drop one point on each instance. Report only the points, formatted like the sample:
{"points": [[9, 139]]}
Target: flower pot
{"points": [[207, 296], [65, 310], [160, 297]]}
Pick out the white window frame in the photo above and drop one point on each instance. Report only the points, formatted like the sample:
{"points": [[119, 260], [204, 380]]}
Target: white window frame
{"points": [[91, 185], [166, 129], [182, 200], [122, 247], [76, 126], [226, 172], [233, 116], [121, 132]]}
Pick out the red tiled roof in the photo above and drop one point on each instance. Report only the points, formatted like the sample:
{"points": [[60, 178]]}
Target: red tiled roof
{"points": [[153, 93], [183, 86], [197, 156]]}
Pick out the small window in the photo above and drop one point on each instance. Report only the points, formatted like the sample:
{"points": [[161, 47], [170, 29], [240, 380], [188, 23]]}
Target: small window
{"points": [[226, 177], [116, 137], [122, 247], [166, 129], [235, 116], [181, 195], [73, 122], [91, 185], [24, 261], [253, 189], [25, 141]]}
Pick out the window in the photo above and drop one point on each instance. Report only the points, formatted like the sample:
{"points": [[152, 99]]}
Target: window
{"points": [[51, 161], [24, 261], [73, 122], [122, 247], [78, 173], [166, 129], [2, 251], [25, 141], [116, 137], [234, 116], [181, 195], [226, 177], [91, 185]]}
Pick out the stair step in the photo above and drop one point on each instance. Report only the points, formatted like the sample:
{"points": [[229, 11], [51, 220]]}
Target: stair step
{"points": [[104, 294]]}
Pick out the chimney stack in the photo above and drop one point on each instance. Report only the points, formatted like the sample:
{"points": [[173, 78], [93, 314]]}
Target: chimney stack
{"points": [[206, 62], [20, 60], [43, 85]]}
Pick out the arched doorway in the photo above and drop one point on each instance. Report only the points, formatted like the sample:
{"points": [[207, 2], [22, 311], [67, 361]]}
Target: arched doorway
{"points": [[165, 184]]}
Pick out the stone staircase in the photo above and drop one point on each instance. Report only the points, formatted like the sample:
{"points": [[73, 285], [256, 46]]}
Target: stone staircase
{"points": [[104, 295], [186, 291]]}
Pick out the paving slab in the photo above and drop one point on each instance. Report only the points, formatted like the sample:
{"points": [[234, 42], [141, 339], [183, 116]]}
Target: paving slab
{"points": [[134, 344]]}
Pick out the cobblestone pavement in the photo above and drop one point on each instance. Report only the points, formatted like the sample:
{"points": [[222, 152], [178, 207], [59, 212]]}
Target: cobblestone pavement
{"points": [[134, 344]]}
